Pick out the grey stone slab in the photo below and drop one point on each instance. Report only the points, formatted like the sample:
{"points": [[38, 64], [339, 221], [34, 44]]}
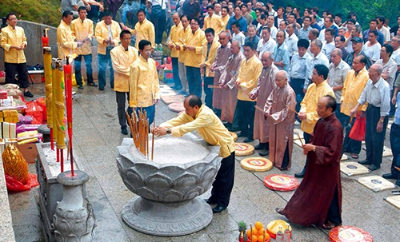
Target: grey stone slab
{"points": [[29, 232], [198, 237], [111, 235]]}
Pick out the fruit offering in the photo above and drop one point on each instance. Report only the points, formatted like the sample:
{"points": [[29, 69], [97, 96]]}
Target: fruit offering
{"points": [[279, 227], [257, 233]]}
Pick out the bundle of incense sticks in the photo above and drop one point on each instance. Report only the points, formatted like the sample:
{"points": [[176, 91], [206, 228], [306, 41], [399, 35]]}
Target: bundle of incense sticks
{"points": [[139, 125]]}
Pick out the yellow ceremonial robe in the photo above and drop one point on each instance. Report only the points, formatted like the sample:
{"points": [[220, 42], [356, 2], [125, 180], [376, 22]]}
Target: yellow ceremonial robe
{"points": [[249, 72], [65, 41], [174, 38], [101, 34], [211, 56], [198, 40], [145, 31], [122, 61], [352, 89], [16, 37], [215, 22], [144, 86], [182, 37], [82, 30], [310, 103], [208, 125]]}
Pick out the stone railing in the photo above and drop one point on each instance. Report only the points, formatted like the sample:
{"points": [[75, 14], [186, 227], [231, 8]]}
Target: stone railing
{"points": [[6, 228]]}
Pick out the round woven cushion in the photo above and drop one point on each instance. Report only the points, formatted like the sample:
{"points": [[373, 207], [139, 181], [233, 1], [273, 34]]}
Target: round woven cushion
{"points": [[281, 182], [167, 99], [176, 107], [242, 149], [349, 233], [256, 164]]}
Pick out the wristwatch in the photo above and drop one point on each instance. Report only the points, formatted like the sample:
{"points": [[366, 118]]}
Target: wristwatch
{"points": [[168, 131]]}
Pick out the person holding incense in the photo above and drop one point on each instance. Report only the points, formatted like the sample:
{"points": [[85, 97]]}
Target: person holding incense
{"points": [[318, 199], [265, 85], [144, 89], [144, 29], [279, 109], [122, 58], [201, 118]]}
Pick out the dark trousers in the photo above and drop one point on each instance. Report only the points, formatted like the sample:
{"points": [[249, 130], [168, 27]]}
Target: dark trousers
{"points": [[373, 139], [175, 73], [158, 18], [341, 116], [12, 69], [150, 111], [333, 215], [194, 80], [245, 112], [93, 13], [121, 98], [88, 64], [104, 63], [223, 184], [208, 91], [298, 85], [285, 161], [395, 145], [350, 145]]}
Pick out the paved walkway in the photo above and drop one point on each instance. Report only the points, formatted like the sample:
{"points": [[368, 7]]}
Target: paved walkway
{"points": [[96, 135]]}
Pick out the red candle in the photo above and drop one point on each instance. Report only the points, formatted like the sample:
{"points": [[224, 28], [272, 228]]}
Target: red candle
{"points": [[68, 98], [45, 41]]}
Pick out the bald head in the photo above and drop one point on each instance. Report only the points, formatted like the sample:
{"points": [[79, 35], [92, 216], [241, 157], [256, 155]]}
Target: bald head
{"points": [[267, 59], [176, 19], [224, 38], [281, 78], [235, 47], [375, 72]]}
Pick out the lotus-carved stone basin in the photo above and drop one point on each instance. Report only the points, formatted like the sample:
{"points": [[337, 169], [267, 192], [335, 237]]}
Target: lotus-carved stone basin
{"points": [[167, 188]]}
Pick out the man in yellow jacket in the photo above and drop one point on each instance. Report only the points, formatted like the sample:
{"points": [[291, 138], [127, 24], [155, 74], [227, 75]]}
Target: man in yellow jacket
{"points": [[247, 80], [144, 29], [202, 119], [13, 41], [144, 88], [209, 54], [82, 30], [195, 40], [172, 43], [107, 35], [308, 112], [122, 57]]}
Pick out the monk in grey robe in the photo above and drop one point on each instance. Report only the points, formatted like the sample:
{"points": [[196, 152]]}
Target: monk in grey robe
{"points": [[266, 83], [223, 53], [227, 84], [281, 121]]}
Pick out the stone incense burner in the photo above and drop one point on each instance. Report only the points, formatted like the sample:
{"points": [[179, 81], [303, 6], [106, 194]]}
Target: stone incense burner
{"points": [[168, 187]]}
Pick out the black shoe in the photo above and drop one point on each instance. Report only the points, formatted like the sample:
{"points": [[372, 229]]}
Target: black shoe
{"points": [[364, 162], [241, 134], [124, 130], [248, 140], [299, 175], [260, 146], [80, 87], [389, 176], [374, 167], [92, 84], [218, 209], [210, 201], [397, 183], [28, 94], [101, 88], [263, 152]]}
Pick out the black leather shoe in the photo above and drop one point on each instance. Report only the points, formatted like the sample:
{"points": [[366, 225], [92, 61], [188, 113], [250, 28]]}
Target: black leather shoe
{"points": [[210, 201], [124, 131], [218, 209], [92, 84], [80, 87], [263, 152], [248, 140], [389, 176], [28, 94], [241, 134], [397, 183], [299, 175], [260, 146], [364, 162], [374, 167]]}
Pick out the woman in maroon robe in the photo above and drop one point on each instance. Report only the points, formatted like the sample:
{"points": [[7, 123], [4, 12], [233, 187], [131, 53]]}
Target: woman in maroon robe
{"points": [[318, 199]]}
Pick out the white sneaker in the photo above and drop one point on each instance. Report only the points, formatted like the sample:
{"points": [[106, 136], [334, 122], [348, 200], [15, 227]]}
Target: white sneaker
{"points": [[297, 123]]}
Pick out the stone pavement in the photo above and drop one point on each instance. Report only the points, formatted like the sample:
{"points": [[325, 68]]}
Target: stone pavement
{"points": [[96, 135]]}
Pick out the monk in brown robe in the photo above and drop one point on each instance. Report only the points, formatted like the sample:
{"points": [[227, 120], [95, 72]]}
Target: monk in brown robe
{"points": [[265, 85], [227, 84], [223, 53], [281, 121], [318, 199]]}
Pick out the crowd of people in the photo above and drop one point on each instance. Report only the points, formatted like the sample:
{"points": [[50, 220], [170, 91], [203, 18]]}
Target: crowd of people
{"points": [[263, 71]]}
